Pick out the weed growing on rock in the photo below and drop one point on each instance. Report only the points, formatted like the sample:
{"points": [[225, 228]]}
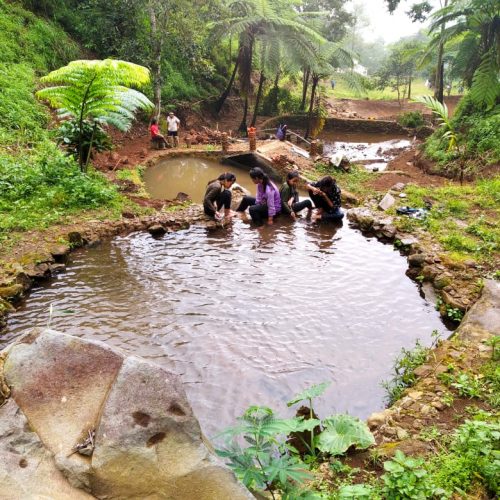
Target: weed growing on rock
{"points": [[404, 370]]}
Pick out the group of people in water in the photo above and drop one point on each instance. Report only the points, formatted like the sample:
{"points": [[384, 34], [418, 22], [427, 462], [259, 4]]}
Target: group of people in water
{"points": [[271, 202]]}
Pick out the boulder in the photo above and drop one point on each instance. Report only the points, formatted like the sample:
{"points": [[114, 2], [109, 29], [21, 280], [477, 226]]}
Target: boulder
{"points": [[60, 382], [27, 469], [140, 435], [150, 443]]}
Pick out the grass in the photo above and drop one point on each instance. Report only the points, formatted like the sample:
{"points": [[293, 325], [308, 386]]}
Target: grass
{"points": [[354, 181], [464, 219], [39, 186], [343, 91]]}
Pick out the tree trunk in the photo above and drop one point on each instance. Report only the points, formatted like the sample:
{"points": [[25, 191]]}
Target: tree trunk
{"points": [[315, 81], [157, 46], [222, 99], [274, 94], [439, 83], [409, 86], [257, 99], [243, 124], [305, 85]]}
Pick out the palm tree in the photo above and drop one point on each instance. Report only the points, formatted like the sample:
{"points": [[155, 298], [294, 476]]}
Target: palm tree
{"points": [[255, 20], [96, 92], [328, 57], [476, 23]]}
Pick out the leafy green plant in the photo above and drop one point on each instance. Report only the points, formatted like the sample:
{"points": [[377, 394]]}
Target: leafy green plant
{"points": [[404, 371], [96, 93], [406, 478], [81, 138], [467, 385], [268, 462], [411, 119], [341, 432], [455, 140], [356, 492], [308, 395], [473, 455], [494, 342]]}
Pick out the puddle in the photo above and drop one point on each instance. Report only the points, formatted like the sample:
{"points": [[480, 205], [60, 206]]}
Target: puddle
{"points": [[245, 316], [372, 150], [189, 175]]}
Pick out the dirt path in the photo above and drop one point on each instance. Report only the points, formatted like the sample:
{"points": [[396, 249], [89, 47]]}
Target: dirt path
{"points": [[380, 110]]}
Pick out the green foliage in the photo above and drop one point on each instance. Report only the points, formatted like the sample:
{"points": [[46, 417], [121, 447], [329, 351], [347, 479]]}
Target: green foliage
{"points": [[309, 394], [271, 462], [91, 93], [280, 101], [473, 454], [82, 139], [341, 432], [467, 385], [406, 478], [268, 462], [38, 185], [26, 39], [411, 119], [38, 190], [404, 371], [479, 133], [356, 492]]}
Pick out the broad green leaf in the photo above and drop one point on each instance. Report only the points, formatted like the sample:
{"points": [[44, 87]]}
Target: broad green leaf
{"points": [[343, 431], [310, 393], [356, 492]]}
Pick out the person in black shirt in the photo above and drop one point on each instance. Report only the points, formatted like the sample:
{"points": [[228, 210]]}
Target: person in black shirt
{"points": [[325, 195]]}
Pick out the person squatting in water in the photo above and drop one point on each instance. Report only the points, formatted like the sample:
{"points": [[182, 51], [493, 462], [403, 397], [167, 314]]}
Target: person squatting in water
{"points": [[218, 196], [269, 202]]}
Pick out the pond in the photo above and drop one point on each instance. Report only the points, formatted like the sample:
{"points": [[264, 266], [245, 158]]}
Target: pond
{"points": [[188, 175], [365, 148], [245, 315]]}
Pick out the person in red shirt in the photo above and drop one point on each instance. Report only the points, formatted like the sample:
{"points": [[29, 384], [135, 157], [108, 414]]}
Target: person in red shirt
{"points": [[156, 137]]}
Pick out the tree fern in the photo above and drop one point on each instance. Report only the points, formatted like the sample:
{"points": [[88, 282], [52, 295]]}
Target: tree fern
{"points": [[96, 92], [485, 84]]}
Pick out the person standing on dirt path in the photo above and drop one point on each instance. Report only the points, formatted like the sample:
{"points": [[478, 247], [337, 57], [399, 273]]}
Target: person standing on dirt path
{"points": [[173, 128]]}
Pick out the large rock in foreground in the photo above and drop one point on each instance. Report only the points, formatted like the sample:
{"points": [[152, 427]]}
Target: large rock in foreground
{"points": [[143, 440]]}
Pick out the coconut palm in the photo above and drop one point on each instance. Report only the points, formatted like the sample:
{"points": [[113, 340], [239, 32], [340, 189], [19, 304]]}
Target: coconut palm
{"points": [[96, 93]]}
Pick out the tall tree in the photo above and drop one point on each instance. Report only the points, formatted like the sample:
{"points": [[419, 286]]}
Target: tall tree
{"points": [[477, 24], [254, 20]]}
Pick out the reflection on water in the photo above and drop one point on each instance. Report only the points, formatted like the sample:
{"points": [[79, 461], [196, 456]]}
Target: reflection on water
{"points": [[188, 175], [370, 149], [246, 316]]}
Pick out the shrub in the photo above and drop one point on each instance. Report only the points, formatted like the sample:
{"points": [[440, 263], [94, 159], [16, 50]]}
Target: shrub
{"points": [[411, 119]]}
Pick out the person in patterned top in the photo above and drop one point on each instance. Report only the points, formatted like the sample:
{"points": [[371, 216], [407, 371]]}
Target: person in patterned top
{"points": [[325, 195]]}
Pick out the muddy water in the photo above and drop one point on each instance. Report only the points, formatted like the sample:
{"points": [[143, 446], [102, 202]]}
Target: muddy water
{"points": [[245, 316], [372, 150], [188, 175]]}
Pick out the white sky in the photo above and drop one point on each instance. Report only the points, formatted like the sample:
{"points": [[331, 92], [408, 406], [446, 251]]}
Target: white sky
{"points": [[390, 27]]}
